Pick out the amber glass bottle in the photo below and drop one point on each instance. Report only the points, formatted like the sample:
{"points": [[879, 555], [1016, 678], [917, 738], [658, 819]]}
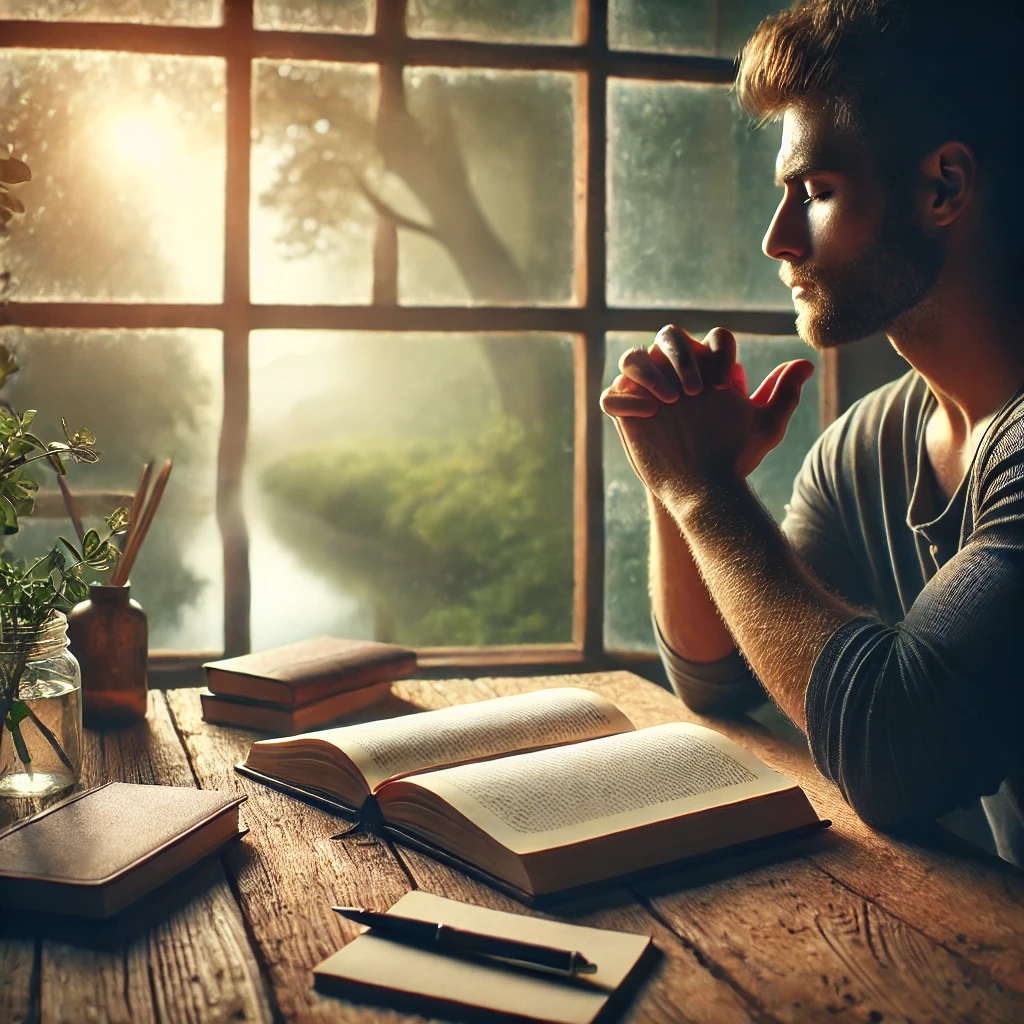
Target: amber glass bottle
{"points": [[109, 636]]}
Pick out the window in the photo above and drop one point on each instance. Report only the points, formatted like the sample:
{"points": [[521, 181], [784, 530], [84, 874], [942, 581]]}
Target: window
{"points": [[363, 269]]}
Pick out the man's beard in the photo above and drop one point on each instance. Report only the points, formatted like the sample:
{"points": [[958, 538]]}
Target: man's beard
{"points": [[864, 296]]}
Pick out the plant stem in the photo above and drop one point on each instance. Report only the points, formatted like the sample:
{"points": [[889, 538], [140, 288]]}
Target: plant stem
{"points": [[51, 739]]}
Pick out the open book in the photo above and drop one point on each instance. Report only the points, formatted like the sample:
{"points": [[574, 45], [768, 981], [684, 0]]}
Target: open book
{"points": [[541, 791]]}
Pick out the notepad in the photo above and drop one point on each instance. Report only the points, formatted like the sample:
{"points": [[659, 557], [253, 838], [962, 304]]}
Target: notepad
{"points": [[380, 968]]}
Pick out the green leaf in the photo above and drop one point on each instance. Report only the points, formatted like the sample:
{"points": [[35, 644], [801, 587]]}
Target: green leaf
{"points": [[91, 544], [27, 417], [18, 713], [14, 172], [71, 547], [118, 520], [13, 203], [9, 514]]}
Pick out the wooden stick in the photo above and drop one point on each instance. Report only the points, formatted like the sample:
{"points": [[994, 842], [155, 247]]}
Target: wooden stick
{"points": [[124, 566], [72, 506], [140, 500]]}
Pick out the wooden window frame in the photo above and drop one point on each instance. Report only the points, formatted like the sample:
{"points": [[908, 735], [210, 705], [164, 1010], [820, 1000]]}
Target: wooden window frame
{"points": [[238, 43]]}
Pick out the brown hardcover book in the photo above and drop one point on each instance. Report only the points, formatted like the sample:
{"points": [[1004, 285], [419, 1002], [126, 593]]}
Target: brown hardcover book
{"points": [[426, 981], [309, 670], [543, 791], [100, 850], [285, 721]]}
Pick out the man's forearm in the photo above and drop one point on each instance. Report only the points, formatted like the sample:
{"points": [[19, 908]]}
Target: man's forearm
{"points": [[682, 606], [778, 614]]}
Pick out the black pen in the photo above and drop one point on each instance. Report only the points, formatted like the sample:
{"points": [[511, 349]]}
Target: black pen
{"points": [[446, 939]]}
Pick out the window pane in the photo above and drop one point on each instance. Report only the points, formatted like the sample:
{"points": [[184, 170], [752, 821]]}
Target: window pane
{"points": [[493, 21], [490, 166], [144, 394], [627, 605], [142, 12], [690, 195], [411, 488], [312, 230], [353, 16], [127, 155], [712, 27]]}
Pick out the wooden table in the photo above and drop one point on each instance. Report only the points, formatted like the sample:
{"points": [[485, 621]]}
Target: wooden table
{"points": [[848, 926]]}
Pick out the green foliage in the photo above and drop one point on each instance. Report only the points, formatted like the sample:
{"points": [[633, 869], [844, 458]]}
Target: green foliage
{"points": [[31, 592], [471, 539]]}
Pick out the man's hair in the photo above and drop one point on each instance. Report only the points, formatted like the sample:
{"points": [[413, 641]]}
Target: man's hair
{"points": [[906, 75]]}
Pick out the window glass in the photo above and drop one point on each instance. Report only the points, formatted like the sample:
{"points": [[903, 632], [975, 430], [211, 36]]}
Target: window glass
{"points": [[711, 27], [493, 21], [143, 12], [353, 16], [127, 153], [145, 395], [412, 488], [312, 229], [690, 195], [627, 605], [489, 165]]}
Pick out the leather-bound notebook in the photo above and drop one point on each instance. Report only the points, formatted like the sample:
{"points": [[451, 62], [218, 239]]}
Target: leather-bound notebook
{"points": [[220, 709], [310, 670], [376, 969], [100, 850]]}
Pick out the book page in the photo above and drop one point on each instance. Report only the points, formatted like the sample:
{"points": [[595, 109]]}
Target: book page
{"points": [[567, 794], [468, 732]]}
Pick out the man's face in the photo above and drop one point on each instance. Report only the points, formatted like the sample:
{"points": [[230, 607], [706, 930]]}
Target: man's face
{"points": [[850, 251]]}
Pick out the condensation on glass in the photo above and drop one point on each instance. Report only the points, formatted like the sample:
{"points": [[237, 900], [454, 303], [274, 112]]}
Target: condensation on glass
{"points": [[141, 12], [313, 153], [488, 166], [627, 623], [349, 16], [714, 28], [415, 488], [494, 21], [144, 394], [127, 151], [690, 195]]}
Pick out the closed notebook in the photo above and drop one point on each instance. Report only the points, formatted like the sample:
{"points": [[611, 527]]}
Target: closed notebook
{"points": [[97, 852], [377, 969], [310, 670], [285, 721]]}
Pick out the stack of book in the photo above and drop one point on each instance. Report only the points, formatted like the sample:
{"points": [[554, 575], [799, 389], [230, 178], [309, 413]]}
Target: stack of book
{"points": [[302, 686]]}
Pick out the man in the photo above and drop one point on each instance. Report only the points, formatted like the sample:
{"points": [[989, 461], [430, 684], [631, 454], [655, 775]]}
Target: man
{"points": [[885, 617]]}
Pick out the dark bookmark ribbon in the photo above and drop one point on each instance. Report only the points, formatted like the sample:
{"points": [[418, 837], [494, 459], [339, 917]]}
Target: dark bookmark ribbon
{"points": [[368, 820]]}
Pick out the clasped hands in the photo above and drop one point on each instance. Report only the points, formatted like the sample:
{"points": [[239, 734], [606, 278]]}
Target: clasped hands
{"points": [[684, 416]]}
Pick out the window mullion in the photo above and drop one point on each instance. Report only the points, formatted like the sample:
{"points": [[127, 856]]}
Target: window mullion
{"points": [[231, 457]]}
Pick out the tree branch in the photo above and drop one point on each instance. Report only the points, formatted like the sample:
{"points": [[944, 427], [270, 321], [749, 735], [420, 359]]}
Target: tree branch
{"points": [[382, 209]]}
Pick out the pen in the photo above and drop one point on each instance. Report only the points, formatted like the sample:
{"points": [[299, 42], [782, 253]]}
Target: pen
{"points": [[446, 939]]}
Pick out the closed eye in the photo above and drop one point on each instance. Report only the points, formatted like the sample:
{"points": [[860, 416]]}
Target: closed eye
{"points": [[818, 197]]}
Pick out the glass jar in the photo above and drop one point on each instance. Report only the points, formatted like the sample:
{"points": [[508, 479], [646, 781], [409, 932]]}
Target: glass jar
{"points": [[43, 753]]}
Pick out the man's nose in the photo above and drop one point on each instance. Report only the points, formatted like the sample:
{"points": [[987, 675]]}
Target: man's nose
{"points": [[787, 237]]}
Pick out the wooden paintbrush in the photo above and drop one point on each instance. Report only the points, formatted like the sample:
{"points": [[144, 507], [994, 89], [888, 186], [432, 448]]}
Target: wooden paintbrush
{"points": [[143, 510]]}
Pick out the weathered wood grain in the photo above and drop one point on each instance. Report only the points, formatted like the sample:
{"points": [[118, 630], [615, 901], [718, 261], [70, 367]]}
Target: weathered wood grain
{"points": [[971, 905], [290, 871], [17, 961], [191, 961], [853, 925]]}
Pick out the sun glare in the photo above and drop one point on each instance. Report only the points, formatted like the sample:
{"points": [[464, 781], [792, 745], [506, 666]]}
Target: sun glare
{"points": [[141, 139]]}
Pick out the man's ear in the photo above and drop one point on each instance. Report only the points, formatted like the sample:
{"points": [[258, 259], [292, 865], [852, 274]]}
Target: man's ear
{"points": [[948, 181]]}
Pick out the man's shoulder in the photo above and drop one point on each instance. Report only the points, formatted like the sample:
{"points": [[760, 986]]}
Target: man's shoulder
{"points": [[883, 418]]}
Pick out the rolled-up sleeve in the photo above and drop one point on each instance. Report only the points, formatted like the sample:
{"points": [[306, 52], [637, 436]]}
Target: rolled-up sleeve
{"points": [[722, 687]]}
